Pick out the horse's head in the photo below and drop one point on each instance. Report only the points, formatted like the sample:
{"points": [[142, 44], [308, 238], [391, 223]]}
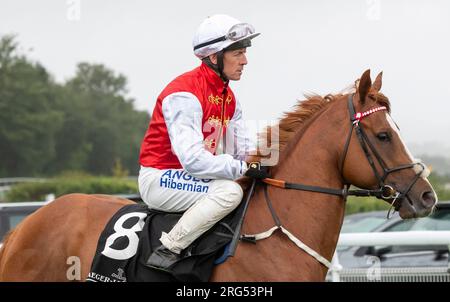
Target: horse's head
{"points": [[376, 157]]}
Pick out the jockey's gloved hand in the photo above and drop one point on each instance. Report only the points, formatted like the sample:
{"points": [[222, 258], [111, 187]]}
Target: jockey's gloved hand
{"points": [[255, 170]]}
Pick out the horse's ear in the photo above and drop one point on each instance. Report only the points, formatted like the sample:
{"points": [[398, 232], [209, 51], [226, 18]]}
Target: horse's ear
{"points": [[364, 85], [377, 84]]}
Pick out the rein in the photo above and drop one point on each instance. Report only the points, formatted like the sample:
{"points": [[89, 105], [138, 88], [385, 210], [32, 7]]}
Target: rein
{"points": [[384, 191]]}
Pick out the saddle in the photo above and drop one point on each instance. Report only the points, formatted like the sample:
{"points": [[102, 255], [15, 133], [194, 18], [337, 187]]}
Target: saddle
{"points": [[133, 233]]}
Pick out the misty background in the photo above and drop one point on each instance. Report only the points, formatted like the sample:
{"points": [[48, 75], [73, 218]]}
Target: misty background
{"points": [[305, 46]]}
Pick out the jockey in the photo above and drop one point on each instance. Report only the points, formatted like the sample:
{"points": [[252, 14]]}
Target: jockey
{"points": [[195, 145]]}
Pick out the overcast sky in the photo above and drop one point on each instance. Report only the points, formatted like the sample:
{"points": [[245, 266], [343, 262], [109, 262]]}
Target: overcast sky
{"points": [[305, 46]]}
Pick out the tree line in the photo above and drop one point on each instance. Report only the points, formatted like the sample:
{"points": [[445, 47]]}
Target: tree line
{"points": [[86, 123]]}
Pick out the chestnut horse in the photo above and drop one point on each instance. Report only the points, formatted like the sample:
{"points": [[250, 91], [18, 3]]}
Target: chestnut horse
{"points": [[322, 143]]}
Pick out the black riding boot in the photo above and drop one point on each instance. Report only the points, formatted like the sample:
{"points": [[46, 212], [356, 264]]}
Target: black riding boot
{"points": [[162, 258]]}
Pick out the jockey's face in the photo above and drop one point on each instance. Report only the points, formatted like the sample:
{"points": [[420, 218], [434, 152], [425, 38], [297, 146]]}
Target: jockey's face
{"points": [[233, 63]]}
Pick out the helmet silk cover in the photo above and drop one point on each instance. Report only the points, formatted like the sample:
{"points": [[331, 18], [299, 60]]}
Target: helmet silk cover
{"points": [[218, 32]]}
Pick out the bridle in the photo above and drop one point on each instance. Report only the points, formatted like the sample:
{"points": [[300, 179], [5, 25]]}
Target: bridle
{"points": [[384, 191]]}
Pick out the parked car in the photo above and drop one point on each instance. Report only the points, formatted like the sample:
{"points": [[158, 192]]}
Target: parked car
{"points": [[363, 222], [11, 214], [397, 263], [367, 222], [400, 256]]}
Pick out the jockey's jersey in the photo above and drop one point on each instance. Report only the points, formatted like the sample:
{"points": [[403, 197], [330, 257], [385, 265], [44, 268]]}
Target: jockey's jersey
{"points": [[197, 125]]}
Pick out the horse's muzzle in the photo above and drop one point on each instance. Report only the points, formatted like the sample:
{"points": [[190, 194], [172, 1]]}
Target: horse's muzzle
{"points": [[416, 208]]}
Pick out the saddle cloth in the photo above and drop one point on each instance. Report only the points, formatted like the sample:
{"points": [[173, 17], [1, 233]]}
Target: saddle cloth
{"points": [[133, 233]]}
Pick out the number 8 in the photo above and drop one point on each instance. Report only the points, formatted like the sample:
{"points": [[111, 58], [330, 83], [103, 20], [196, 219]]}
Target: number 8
{"points": [[130, 233]]}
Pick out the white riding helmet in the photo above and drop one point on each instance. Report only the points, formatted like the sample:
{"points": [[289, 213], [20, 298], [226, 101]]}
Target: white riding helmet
{"points": [[218, 32]]}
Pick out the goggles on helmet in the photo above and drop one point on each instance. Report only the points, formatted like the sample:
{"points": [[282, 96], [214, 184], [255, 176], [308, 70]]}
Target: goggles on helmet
{"points": [[236, 33]]}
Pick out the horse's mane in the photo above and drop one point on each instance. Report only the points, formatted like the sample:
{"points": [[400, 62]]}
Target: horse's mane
{"points": [[276, 139], [290, 127], [288, 130]]}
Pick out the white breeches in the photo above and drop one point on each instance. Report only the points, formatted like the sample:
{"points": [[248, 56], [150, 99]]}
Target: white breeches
{"points": [[206, 201]]}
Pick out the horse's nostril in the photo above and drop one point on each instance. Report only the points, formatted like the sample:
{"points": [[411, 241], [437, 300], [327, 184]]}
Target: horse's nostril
{"points": [[428, 199]]}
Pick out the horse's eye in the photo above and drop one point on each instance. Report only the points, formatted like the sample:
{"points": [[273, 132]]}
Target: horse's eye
{"points": [[384, 137]]}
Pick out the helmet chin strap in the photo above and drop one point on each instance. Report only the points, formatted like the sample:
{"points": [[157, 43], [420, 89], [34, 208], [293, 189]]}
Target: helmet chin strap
{"points": [[217, 67], [220, 66]]}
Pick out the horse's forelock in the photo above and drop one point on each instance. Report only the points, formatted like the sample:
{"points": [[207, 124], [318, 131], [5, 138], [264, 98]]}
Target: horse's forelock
{"points": [[383, 100]]}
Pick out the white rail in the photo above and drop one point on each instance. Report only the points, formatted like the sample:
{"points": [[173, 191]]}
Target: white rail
{"points": [[387, 238], [395, 238], [15, 180]]}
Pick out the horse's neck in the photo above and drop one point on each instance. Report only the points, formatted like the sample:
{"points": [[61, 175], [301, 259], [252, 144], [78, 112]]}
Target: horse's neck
{"points": [[314, 218], [315, 161]]}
